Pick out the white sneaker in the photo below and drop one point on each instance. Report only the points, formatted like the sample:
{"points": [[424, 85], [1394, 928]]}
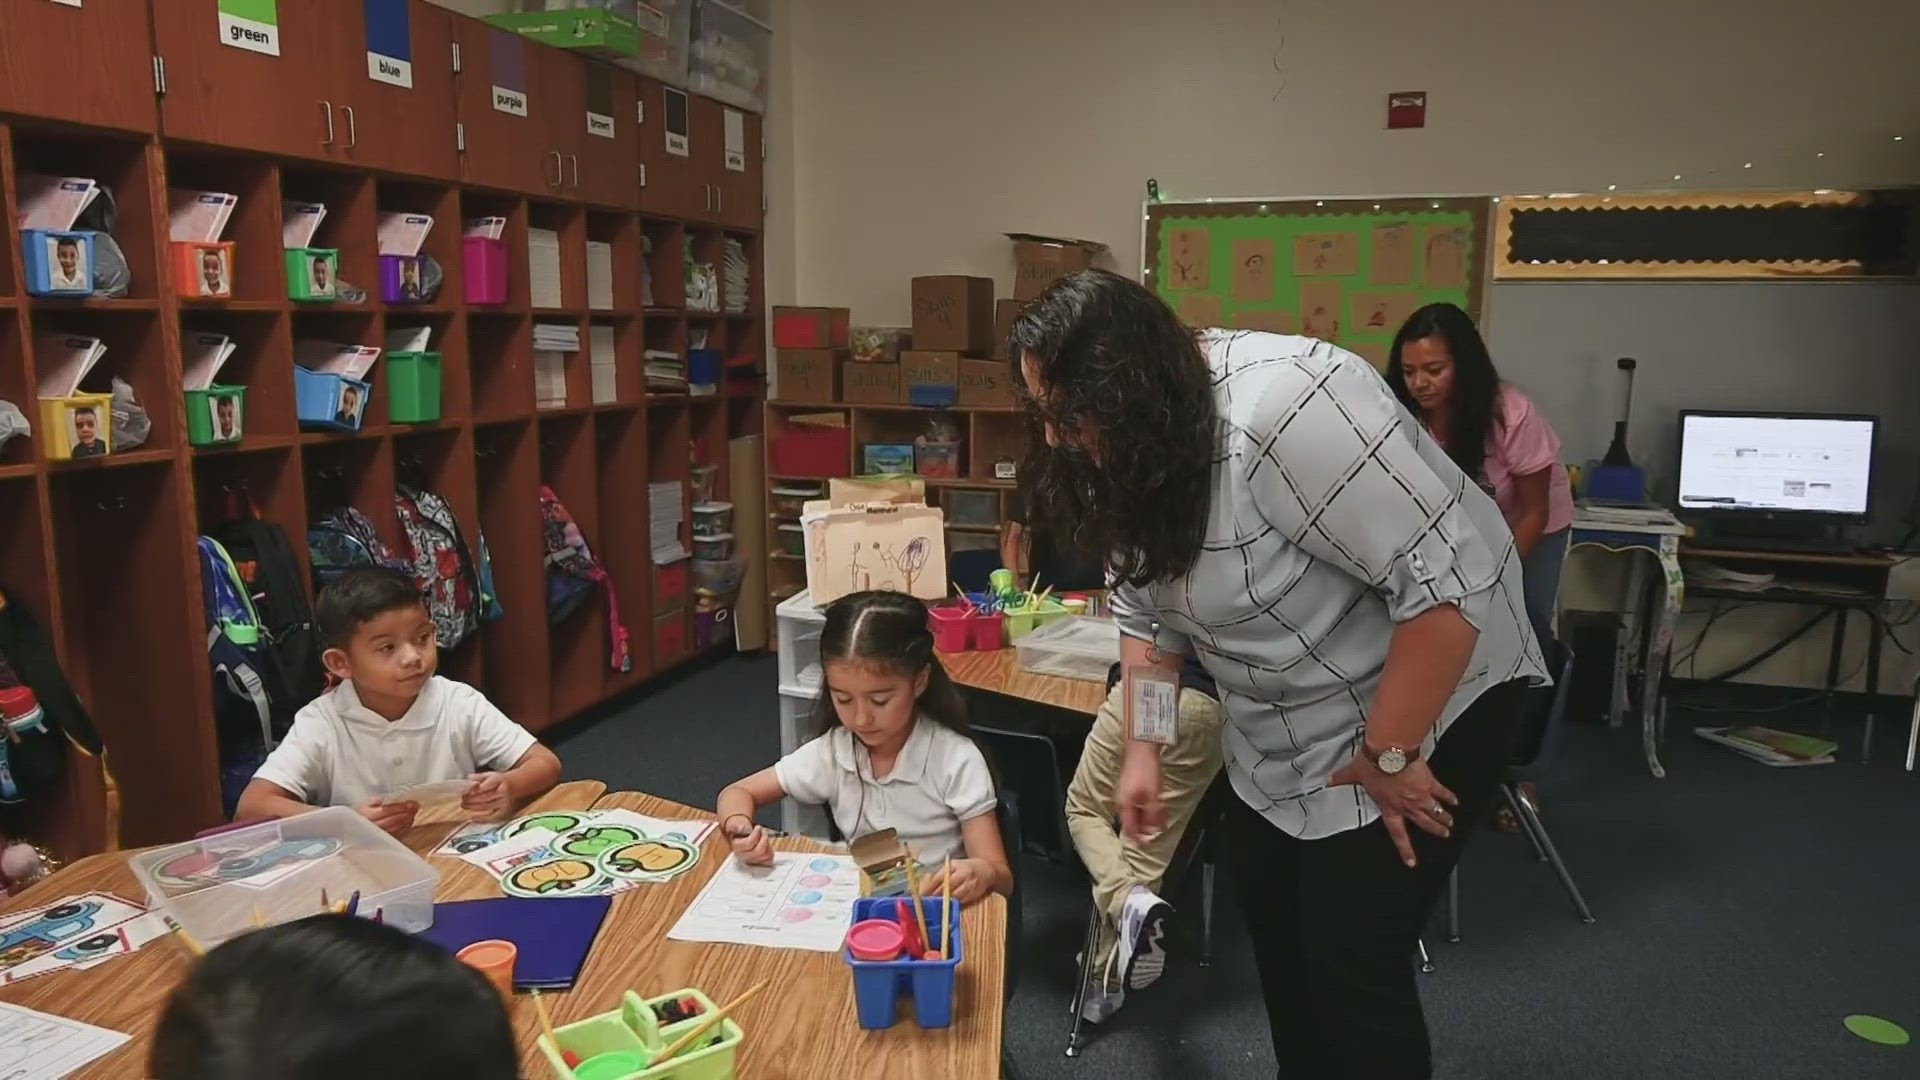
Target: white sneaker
{"points": [[1101, 1003], [1143, 923]]}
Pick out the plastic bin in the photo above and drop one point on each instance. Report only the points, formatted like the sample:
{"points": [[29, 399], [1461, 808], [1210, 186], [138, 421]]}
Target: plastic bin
{"points": [[712, 519], [670, 587], [313, 274], [878, 984], [1022, 621], [58, 263], [330, 402], [402, 279], [665, 28], [203, 271], [972, 541], [977, 508], [713, 547], [635, 1029], [702, 483], [790, 500], [712, 627], [209, 887], [703, 367], [80, 426], [821, 452], [216, 416], [718, 577], [1071, 647], [413, 387], [937, 461], [484, 264], [952, 629], [729, 55], [793, 541]]}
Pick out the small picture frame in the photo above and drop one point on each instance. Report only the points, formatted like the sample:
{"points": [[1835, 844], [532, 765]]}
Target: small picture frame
{"points": [[58, 263], [350, 404], [216, 274], [223, 411], [313, 274], [86, 431], [320, 276]]}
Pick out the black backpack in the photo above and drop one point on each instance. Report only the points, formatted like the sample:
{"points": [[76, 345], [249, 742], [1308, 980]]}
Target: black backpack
{"points": [[36, 761], [263, 555]]}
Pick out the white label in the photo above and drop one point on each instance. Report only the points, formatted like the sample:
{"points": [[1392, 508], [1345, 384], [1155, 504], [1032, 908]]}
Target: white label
{"points": [[640, 112], [511, 102], [390, 71], [600, 124], [1154, 701], [676, 144], [76, 3], [249, 35], [736, 127], [650, 20]]}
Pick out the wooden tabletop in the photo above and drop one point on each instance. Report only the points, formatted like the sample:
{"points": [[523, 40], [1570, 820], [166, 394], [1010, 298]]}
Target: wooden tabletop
{"points": [[999, 673], [806, 1031]]}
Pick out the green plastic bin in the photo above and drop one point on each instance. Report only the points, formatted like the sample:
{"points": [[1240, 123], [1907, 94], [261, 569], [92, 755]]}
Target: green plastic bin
{"points": [[313, 274], [413, 387], [216, 416]]}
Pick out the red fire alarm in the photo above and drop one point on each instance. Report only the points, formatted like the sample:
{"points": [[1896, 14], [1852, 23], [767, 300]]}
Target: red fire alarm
{"points": [[1407, 109]]}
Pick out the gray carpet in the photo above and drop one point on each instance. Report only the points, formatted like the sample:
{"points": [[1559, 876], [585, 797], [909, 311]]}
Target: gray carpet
{"points": [[1743, 911]]}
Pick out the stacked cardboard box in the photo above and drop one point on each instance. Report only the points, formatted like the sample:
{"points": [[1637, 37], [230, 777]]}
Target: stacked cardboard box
{"points": [[810, 346]]}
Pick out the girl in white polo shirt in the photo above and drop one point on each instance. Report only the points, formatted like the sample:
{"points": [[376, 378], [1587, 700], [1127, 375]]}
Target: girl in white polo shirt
{"points": [[893, 754]]}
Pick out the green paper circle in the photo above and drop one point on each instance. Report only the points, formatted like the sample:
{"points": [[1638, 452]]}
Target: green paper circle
{"points": [[1875, 1030]]}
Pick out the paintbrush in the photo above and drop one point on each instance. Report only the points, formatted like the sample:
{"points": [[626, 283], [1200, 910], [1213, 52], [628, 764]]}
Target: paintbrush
{"points": [[964, 598], [706, 1025], [919, 908]]}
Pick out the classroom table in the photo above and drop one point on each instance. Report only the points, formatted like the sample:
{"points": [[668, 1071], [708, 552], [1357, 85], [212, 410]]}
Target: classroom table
{"points": [[801, 1028], [999, 672]]}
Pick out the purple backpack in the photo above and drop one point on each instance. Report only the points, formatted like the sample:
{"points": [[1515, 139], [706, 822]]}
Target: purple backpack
{"points": [[573, 573]]}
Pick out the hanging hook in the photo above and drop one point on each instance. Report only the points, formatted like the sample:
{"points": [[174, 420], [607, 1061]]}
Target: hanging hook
{"points": [[119, 503]]}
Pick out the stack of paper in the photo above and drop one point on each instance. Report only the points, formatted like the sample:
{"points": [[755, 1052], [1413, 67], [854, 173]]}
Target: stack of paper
{"points": [[64, 360], [543, 267], [666, 372], [335, 358], [299, 222], [549, 379], [600, 353], [665, 502], [204, 354], [198, 216], [560, 337], [52, 202], [403, 234], [409, 338], [734, 278], [490, 228], [599, 276], [1771, 746]]}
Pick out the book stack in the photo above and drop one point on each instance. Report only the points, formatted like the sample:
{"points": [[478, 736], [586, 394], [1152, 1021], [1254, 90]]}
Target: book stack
{"points": [[1771, 746], [300, 222], [599, 276], [734, 277], [203, 353], [198, 217], [543, 267], [600, 353], [64, 361], [665, 507], [54, 203], [666, 372]]}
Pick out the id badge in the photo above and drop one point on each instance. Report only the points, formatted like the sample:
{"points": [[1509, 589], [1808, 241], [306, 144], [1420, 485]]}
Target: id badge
{"points": [[1153, 701]]}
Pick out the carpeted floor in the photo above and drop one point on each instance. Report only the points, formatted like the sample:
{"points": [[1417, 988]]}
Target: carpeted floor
{"points": [[1743, 911]]}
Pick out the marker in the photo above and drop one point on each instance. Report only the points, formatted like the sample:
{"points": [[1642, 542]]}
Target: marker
{"points": [[325, 904], [353, 903]]}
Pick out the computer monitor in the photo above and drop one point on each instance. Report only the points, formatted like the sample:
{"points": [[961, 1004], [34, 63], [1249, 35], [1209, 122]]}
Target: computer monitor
{"points": [[1810, 467]]}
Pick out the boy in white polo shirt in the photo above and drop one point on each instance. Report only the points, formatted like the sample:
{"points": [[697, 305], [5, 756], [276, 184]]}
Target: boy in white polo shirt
{"points": [[392, 723]]}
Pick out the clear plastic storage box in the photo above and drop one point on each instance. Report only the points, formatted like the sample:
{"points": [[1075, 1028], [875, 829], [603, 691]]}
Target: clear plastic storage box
{"points": [[1072, 648], [729, 56], [223, 885]]}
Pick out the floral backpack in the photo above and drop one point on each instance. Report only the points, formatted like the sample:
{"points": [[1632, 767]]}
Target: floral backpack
{"points": [[573, 573], [342, 539], [441, 563]]}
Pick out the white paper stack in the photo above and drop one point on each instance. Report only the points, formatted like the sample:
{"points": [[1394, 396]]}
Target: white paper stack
{"points": [[299, 222], [409, 338], [558, 337], [549, 379], [204, 354], [666, 372], [403, 234], [600, 353], [665, 509], [734, 276], [64, 360], [52, 202], [333, 357], [599, 276], [491, 228], [198, 216], [543, 267]]}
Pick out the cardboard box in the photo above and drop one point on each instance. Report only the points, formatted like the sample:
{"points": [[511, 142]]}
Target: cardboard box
{"points": [[871, 384], [986, 384], [1004, 312], [808, 374], [930, 379], [810, 327], [855, 490], [953, 314], [1039, 261]]}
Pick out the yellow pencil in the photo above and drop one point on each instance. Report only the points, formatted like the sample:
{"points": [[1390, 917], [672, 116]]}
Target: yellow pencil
{"points": [[919, 910], [259, 920], [186, 939], [946, 908], [706, 1025]]}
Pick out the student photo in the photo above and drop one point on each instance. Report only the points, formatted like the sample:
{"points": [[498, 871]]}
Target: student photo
{"points": [[393, 722], [349, 412], [320, 277], [226, 417], [409, 279], [83, 430], [213, 273], [65, 270]]}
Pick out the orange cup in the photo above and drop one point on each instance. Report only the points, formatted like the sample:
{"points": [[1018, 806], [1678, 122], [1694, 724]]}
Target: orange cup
{"points": [[495, 960]]}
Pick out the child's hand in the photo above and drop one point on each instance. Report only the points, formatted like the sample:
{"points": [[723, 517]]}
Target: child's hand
{"points": [[393, 818], [972, 879], [489, 799], [750, 842]]}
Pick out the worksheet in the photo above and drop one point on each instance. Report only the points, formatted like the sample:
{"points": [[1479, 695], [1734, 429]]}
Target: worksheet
{"points": [[37, 1046], [800, 902]]}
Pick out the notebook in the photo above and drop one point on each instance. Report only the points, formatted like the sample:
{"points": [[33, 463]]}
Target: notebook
{"points": [[554, 935]]}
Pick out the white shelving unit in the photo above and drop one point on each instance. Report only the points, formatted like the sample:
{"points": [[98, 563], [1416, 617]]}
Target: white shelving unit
{"points": [[798, 624]]}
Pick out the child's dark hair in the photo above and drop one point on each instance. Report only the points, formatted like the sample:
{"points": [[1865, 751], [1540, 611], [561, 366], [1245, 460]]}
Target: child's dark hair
{"points": [[888, 629], [359, 596], [329, 997]]}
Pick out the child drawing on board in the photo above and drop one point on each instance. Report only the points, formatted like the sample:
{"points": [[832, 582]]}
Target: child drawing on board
{"points": [[333, 996], [893, 752]]}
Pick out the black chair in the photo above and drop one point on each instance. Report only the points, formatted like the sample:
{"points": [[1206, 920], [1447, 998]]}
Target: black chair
{"points": [[1027, 764], [971, 569], [1541, 732]]}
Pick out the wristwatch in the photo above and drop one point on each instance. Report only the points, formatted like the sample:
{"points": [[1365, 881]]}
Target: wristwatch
{"points": [[1392, 760]]}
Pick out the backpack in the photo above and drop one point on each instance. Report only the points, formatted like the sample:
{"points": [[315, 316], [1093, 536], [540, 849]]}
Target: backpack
{"points": [[490, 608], [251, 705], [342, 539], [263, 555], [441, 563], [33, 758], [573, 573]]}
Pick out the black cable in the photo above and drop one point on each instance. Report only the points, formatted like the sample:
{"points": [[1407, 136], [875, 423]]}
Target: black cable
{"points": [[1772, 650]]}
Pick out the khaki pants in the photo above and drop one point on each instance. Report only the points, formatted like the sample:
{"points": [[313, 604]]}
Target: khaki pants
{"points": [[1187, 768]]}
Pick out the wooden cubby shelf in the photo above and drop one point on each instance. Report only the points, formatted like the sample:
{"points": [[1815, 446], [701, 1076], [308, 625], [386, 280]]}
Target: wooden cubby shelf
{"points": [[103, 550]]}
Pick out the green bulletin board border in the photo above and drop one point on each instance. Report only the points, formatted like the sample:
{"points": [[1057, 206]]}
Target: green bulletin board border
{"points": [[1283, 220]]}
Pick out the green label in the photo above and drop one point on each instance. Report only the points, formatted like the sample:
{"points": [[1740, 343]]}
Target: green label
{"points": [[253, 25]]}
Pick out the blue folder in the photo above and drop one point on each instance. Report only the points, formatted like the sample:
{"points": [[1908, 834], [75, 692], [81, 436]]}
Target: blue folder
{"points": [[553, 935]]}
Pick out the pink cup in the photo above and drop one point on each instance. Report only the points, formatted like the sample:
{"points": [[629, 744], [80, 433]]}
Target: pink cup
{"points": [[875, 940]]}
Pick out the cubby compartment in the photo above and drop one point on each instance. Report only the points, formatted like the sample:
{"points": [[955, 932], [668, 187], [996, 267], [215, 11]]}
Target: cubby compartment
{"points": [[624, 543], [350, 226], [613, 347], [476, 207], [620, 295], [136, 353], [578, 642], [16, 387], [23, 554], [904, 428], [120, 168], [346, 327], [257, 270], [500, 372], [515, 654], [228, 487], [663, 258], [569, 225], [441, 461], [104, 523], [261, 361], [356, 473], [442, 244], [998, 447]]}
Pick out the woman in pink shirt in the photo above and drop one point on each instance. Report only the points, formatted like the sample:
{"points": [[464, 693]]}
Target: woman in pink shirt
{"points": [[1440, 370]]}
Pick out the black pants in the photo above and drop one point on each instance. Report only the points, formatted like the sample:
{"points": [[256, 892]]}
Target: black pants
{"points": [[1335, 921]]}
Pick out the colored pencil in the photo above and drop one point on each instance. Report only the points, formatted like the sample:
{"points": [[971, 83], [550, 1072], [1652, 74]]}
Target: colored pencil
{"points": [[326, 905], [706, 1025], [353, 903], [946, 909], [546, 1027], [187, 939]]}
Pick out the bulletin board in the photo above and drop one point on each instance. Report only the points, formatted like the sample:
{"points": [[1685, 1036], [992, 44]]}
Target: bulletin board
{"points": [[1345, 271]]}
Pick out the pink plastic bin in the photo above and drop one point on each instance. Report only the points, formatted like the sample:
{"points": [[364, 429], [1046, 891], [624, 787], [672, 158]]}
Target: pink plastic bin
{"points": [[952, 628], [485, 263]]}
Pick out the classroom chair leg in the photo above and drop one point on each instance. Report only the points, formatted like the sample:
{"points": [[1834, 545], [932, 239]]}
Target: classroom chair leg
{"points": [[1206, 914], [1453, 907], [1426, 961], [1085, 973], [1523, 810]]}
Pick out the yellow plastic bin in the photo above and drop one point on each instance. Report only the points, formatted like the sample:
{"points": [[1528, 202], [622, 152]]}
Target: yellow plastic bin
{"points": [[77, 427], [1024, 620]]}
